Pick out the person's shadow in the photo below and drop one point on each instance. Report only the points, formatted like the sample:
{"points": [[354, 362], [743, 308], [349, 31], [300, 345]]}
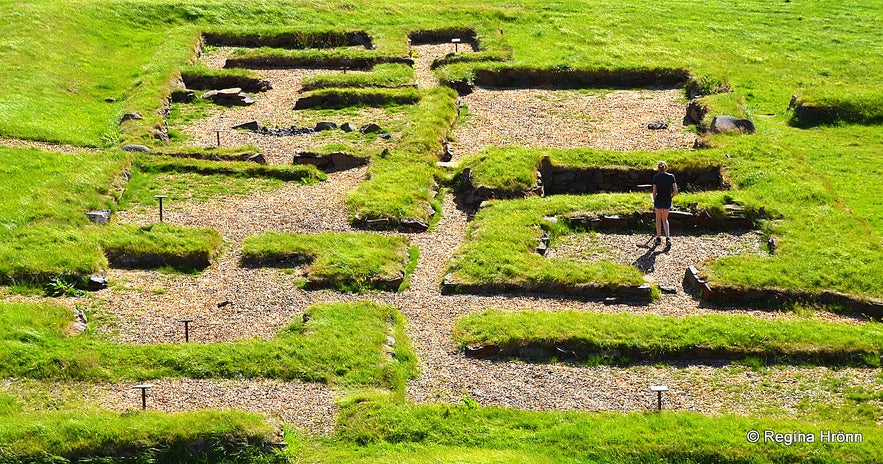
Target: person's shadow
{"points": [[647, 262]]}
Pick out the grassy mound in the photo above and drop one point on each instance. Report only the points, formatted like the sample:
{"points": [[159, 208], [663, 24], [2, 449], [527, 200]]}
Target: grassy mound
{"points": [[378, 431], [583, 335], [341, 344], [400, 185], [381, 75], [159, 245], [346, 261], [98, 436]]}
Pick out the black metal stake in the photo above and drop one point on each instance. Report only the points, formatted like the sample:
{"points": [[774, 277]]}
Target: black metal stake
{"points": [[160, 198], [143, 388], [658, 389], [186, 329], [218, 135]]}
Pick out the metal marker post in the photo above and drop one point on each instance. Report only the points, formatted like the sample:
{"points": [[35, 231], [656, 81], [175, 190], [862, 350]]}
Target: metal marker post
{"points": [[160, 198], [143, 388], [186, 329], [218, 135], [658, 389], [455, 42]]}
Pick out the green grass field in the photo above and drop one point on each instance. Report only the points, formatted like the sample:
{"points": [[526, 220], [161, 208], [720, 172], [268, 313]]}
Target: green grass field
{"points": [[70, 70]]}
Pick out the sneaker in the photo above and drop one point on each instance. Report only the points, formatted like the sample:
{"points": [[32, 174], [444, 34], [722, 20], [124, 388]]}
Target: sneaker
{"points": [[658, 240], [667, 242]]}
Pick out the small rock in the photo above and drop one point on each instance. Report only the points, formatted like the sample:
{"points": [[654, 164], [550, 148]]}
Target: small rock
{"points": [[183, 96], [668, 290], [448, 153], [77, 328], [99, 216], [225, 303], [772, 244], [96, 282], [414, 225], [658, 125], [135, 148], [391, 341], [385, 136], [346, 127]]}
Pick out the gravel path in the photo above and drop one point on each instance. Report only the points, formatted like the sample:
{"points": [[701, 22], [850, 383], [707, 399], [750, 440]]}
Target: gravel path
{"points": [[609, 120], [305, 405], [275, 108], [425, 54]]}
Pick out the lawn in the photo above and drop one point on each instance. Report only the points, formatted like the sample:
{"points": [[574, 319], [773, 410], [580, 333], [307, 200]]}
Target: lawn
{"points": [[71, 70]]}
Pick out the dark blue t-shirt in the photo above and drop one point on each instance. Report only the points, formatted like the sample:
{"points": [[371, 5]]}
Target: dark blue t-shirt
{"points": [[664, 183]]}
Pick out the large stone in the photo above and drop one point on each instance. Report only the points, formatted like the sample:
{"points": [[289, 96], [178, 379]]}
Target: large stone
{"points": [[341, 161], [692, 280], [731, 124], [480, 351], [251, 125], [325, 125], [533, 353], [96, 282], [695, 113], [257, 158], [370, 128], [347, 127], [462, 87], [231, 92], [447, 153], [183, 96], [414, 225], [131, 116]]}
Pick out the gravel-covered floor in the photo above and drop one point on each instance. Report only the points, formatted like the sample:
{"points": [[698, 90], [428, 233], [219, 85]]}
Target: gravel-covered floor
{"points": [[143, 306], [609, 120]]}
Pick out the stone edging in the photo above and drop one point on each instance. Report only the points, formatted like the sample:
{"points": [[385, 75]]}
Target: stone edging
{"points": [[769, 297], [622, 293]]}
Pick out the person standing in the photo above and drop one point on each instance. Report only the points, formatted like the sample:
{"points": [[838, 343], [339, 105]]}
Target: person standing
{"points": [[665, 187]]}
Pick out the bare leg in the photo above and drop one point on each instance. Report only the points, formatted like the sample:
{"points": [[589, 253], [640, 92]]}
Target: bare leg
{"points": [[659, 219], [663, 215]]}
